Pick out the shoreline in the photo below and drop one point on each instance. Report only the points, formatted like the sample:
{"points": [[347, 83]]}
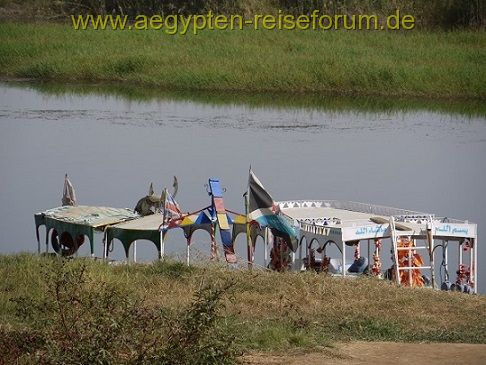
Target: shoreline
{"points": [[471, 108], [235, 91]]}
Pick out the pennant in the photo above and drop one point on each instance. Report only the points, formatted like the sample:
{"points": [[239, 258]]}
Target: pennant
{"points": [[171, 207], [262, 209]]}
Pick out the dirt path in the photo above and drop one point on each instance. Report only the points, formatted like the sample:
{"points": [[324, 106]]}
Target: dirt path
{"points": [[379, 353]]}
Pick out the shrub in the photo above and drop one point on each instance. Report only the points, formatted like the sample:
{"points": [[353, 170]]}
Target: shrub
{"points": [[78, 320]]}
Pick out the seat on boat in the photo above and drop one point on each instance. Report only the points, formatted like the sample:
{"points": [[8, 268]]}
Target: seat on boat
{"points": [[359, 265], [336, 266], [355, 267]]}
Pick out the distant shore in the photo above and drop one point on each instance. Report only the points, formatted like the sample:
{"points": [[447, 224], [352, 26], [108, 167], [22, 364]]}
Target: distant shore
{"points": [[414, 63]]}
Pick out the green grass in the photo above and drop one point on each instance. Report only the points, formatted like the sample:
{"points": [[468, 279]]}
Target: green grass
{"points": [[258, 310], [416, 63]]}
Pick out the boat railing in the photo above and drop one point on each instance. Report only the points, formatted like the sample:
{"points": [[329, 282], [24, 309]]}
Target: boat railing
{"points": [[348, 205]]}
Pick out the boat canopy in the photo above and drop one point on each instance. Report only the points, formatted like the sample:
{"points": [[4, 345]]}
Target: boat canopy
{"points": [[80, 220]]}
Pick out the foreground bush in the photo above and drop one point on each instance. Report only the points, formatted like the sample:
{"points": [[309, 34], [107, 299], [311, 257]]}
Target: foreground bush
{"points": [[77, 320]]}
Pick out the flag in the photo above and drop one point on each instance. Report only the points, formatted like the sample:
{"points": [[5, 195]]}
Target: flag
{"points": [[262, 209], [68, 193], [171, 208]]}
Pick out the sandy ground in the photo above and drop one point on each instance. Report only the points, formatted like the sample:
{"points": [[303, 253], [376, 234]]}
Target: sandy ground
{"points": [[378, 353]]}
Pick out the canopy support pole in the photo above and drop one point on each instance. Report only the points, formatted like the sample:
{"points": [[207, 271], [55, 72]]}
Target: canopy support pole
{"points": [[135, 251], [47, 240], [188, 251], [394, 240], [300, 255], [249, 242], [344, 259], [460, 254], [430, 236], [105, 249], [475, 264], [162, 246], [471, 261], [369, 252], [214, 245], [446, 259], [265, 248]]}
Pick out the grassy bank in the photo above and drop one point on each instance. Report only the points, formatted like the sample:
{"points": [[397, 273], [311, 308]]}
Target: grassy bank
{"points": [[432, 64], [54, 310]]}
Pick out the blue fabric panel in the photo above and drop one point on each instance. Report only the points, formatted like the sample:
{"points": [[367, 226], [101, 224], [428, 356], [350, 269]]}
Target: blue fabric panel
{"points": [[230, 221], [215, 188], [202, 219], [226, 237]]}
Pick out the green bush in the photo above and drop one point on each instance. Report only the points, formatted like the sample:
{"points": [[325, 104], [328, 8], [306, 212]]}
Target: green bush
{"points": [[77, 320]]}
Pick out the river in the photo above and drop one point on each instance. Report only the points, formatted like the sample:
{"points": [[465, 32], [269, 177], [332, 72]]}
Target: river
{"points": [[113, 141]]}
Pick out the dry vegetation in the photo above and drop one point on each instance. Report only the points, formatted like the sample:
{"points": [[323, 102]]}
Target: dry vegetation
{"points": [[253, 310]]}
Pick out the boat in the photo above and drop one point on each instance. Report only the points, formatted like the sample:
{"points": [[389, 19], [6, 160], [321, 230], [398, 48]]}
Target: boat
{"points": [[419, 242]]}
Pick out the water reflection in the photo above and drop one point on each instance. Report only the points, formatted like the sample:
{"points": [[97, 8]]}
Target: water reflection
{"points": [[308, 101]]}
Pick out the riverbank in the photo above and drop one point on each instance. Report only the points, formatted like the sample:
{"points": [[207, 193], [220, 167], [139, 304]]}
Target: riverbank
{"points": [[124, 308], [415, 63]]}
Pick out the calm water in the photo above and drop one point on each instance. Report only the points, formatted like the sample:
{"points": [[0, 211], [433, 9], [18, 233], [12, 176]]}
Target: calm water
{"points": [[114, 142]]}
